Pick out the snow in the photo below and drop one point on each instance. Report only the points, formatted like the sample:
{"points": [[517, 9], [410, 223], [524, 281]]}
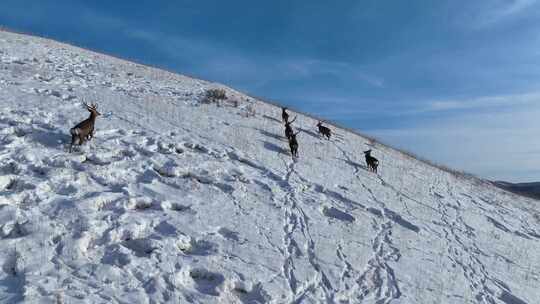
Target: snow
{"points": [[179, 201]]}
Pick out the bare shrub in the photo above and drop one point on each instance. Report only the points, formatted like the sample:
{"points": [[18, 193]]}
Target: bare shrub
{"points": [[214, 96], [248, 111]]}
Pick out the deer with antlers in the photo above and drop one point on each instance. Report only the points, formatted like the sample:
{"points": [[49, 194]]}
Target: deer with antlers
{"points": [[324, 131], [293, 144], [284, 114], [371, 161], [288, 129], [84, 130]]}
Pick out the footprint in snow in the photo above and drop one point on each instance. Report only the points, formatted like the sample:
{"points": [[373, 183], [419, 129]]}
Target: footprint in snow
{"points": [[203, 280], [116, 255], [197, 147], [66, 189], [14, 229], [141, 247], [250, 293], [14, 184], [176, 207], [191, 246], [142, 203], [166, 229]]}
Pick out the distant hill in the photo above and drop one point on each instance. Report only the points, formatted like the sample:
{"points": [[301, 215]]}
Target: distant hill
{"points": [[531, 190]]}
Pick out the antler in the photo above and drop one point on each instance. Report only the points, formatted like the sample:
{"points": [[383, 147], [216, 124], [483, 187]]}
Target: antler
{"points": [[92, 106], [293, 120]]}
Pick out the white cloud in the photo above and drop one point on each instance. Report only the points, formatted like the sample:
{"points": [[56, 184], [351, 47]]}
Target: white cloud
{"points": [[502, 145], [484, 102], [484, 14], [228, 61], [308, 67]]}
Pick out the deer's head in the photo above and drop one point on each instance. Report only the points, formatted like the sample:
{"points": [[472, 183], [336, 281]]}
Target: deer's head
{"points": [[92, 109]]}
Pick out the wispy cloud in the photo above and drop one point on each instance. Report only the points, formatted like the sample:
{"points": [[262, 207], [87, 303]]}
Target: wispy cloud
{"points": [[484, 14], [494, 145], [484, 102], [308, 67], [214, 58]]}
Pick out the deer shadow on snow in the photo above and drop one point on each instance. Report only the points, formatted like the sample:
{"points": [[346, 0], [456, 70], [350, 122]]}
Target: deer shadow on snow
{"points": [[272, 118], [271, 135], [354, 164], [275, 148], [309, 132], [49, 138]]}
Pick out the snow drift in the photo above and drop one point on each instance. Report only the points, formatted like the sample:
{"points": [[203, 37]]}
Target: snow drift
{"points": [[179, 200]]}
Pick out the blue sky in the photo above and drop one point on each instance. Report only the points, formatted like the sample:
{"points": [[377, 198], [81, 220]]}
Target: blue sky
{"points": [[453, 81]]}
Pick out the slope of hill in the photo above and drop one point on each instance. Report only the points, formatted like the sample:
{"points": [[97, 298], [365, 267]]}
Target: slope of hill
{"points": [[179, 201]]}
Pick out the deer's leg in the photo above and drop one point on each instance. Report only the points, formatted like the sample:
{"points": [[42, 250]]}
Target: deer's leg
{"points": [[82, 139], [90, 134], [75, 140]]}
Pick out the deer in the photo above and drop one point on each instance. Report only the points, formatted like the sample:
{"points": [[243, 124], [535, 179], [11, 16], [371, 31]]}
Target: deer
{"points": [[325, 131], [288, 128], [371, 161], [293, 144], [84, 130], [284, 114]]}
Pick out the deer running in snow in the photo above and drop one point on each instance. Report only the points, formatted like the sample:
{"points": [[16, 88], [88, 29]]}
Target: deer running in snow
{"points": [[288, 129], [284, 114], [371, 161], [325, 131], [84, 130], [293, 144]]}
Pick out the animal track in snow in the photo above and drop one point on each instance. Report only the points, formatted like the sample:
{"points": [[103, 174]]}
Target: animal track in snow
{"points": [[141, 247], [191, 246], [204, 281], [142, 203], [250, 293]]}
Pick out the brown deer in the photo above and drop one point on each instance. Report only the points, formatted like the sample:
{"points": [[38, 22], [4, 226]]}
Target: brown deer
{"points": [[293, 144], [288, 128], [84, 130], [284, 114], [371, 161], [325, 131]]}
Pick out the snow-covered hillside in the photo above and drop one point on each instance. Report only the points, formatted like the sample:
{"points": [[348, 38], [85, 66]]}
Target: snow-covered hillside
{"points": [[178, 201]]}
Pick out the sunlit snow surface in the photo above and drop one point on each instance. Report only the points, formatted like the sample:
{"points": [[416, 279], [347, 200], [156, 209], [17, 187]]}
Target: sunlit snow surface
{"points": [[183, 202]]}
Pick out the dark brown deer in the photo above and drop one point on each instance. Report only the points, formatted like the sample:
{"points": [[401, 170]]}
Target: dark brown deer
{"points": [[288, 128], [325, 131], [84, 130], [371, 161], [293, 144], [284, 114]]}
